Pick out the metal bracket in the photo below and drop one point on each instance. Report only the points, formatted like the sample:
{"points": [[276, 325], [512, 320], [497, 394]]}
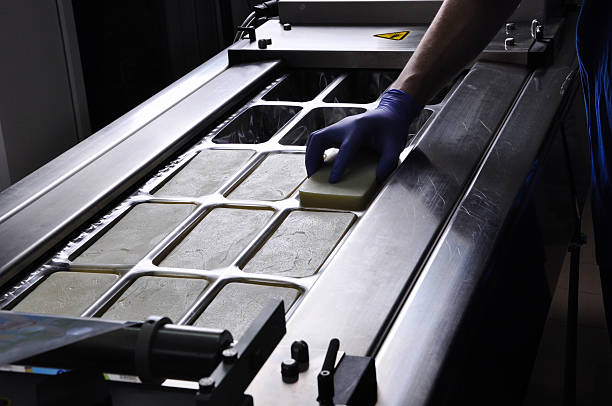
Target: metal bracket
{"points": [[250, 32], [541, 52]]}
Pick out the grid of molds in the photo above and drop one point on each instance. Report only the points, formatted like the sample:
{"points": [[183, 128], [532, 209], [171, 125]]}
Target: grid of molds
{"points": [[157, 252]]}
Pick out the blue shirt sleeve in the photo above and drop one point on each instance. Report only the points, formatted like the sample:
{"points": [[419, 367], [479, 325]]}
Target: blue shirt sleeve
{"points": [[594, 47]]}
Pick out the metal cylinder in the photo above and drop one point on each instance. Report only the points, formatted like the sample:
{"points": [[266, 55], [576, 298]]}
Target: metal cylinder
{"points": [[177, 352]]}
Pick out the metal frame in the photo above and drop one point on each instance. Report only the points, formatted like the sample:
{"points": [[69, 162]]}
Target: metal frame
{"points": [[388, 12], [357, 46], [63, 194], [432, 217], [218, 278]]}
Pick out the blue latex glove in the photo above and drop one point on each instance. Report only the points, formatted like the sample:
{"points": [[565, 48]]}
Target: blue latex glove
{"points": [[384, 130]]}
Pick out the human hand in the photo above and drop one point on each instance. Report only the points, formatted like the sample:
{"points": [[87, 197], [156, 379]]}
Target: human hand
{"points": [[383, 130]]}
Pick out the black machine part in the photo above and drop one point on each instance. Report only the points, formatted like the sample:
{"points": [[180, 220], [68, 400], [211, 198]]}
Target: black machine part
{"points": [[352, 382], [176, 352], [157, 350]]}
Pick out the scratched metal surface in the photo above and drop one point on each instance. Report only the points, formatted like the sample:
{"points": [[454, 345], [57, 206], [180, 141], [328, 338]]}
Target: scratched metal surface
{"points": [[450, 279], [202, 239], [374, 271]]}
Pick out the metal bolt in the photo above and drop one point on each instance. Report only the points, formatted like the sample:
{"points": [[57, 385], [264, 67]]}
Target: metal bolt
{"points": [[537, 30], [289, 371], [510, 26], [287, 27], [509, 42], [229, 355], [206, 385]]}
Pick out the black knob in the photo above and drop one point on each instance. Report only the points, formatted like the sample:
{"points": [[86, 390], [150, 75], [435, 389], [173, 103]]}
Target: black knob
{"points": [[299, 352], [206, 385], [229, 355], [289, 371], [287, 27], [325, 384], [262, 44]]}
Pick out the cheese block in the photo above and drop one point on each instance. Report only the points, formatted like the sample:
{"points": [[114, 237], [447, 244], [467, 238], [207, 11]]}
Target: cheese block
{"points": [[135, 234], [205, 173], [156, 296], [66, 293], [353, 192], [275, 179], [238, 304], [218, 239], [301, 243]]}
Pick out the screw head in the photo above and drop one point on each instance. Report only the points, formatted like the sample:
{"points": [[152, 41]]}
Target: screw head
{"points": [[289, 371], [229, 355], [510, 26], [509, 42], [539, 32], [206, 385]]}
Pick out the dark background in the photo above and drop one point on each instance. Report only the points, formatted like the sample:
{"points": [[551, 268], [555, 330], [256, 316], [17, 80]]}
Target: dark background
{"points": [[131, 50]]}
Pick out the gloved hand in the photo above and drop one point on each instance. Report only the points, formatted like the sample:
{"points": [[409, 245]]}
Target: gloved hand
{"points": [[383, 130]]}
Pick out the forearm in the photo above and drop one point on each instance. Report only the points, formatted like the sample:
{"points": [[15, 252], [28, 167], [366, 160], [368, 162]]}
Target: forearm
{"points": [[459, 32]]}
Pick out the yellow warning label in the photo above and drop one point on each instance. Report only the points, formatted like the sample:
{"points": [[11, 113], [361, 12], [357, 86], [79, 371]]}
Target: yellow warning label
{"points": [[395, 36]]}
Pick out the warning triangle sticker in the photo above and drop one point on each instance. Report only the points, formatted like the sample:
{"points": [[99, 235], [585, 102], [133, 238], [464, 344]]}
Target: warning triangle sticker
{"points": [[395, 36]]}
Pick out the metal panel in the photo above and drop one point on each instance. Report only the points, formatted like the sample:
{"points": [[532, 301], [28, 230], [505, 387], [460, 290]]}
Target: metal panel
{"points": [[431, 316], [388, 12], [365, 281], [51, 215], [360, 12], [357, 46]]}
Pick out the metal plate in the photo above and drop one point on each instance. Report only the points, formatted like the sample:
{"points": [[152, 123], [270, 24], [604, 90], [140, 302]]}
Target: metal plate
{"points": [[357, 46], [390, 12]]}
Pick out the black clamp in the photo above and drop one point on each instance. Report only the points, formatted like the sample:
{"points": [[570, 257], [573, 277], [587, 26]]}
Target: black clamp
{"points": [[351, 382], [325, 379], [144, 343], [250, 32], [541, 51]]}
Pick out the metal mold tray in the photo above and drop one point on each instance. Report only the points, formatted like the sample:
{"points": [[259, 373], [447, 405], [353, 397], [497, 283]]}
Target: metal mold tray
{"points": [[258, 127], [362, 87], [315, 120], [301, 85]]}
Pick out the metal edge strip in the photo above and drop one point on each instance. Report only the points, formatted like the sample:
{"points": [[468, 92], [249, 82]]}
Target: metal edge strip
{"points": [[432, 313]]}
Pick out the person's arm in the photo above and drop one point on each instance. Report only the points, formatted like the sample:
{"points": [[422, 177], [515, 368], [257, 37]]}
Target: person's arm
{"points": [[458, 33]]}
